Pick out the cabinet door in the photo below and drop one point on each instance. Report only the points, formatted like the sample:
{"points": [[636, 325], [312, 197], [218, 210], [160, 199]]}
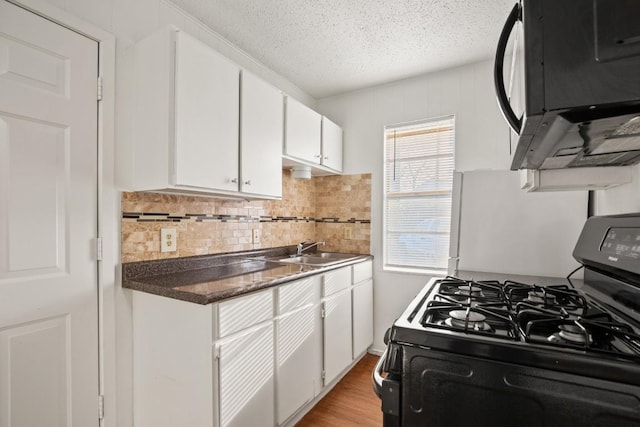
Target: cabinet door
{"points": [[331, 145], [302, 132], [207, 115], [245, 378], [362, 299], [261, 134], [337, 334], [295, 354]]}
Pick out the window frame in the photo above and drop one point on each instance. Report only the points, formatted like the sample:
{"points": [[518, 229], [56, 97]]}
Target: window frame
{"points": [[414, 269]]}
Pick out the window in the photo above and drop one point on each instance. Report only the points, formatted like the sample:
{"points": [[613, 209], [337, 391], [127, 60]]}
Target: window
{"points": [[418, 191]]}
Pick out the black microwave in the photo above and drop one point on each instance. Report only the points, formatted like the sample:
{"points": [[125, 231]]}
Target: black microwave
{"points": [[581, 72]]}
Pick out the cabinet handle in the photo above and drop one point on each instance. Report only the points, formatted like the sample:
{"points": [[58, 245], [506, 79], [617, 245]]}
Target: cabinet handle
{"points": [[247, 182], [317, 156], [326, 157], [234, 181]]}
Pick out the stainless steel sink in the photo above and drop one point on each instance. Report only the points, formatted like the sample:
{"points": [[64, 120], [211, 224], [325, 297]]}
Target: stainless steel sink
{"points": [[320, 259], [333, 255]]}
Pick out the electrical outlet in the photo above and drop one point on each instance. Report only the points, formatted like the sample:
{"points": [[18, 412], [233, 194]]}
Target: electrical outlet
{"points": [[347, 233], [168, 240], [256, 236]]}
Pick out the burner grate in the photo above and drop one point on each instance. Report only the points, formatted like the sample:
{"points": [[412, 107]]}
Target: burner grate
{"points": [[488, 319], [549, 297], [592, 332], [555, 316]]}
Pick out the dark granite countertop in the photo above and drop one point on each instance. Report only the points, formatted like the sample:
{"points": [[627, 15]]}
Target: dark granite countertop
{"points": [[211, 278]]}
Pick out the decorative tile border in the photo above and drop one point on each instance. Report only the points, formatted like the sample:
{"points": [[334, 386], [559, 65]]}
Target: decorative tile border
{"points": [[190, 217]]}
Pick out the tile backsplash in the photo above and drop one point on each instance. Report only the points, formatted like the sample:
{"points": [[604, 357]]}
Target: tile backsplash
{"points": [[335, 209]]}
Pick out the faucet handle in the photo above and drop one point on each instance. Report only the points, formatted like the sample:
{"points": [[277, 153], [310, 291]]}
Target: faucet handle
{"points": [[299, 248]]}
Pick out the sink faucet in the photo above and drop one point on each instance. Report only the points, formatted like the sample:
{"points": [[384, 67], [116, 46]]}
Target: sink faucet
{"points": [[301, 248]]}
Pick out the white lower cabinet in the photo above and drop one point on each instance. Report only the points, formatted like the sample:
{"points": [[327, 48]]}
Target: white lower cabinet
{"points": [[254, 360], [336, 314], [362, 298], [296, 352], [362, 304], [337, 334], [245, 378], [297, 360]]}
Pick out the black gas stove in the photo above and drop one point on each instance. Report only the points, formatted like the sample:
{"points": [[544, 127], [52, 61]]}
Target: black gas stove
{"points": [[503, 352]]}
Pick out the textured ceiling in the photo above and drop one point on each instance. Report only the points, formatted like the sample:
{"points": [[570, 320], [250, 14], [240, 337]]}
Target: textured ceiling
{"points": [[328, 47]]}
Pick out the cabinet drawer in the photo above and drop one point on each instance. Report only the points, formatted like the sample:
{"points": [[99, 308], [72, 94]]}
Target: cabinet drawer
{"points": [[336, 280], [362, 271], [243, 312], [297, 294]]}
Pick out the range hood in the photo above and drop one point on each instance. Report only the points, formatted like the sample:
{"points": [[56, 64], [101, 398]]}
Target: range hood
{"points": [[581, 76]]}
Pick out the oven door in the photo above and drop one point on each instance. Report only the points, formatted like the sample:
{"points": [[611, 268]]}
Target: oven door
{"points": [[387, 388], [445, 389]]}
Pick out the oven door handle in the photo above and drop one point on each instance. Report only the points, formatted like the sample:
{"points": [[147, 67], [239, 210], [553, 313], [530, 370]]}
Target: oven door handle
{"points": [[376, 376]]}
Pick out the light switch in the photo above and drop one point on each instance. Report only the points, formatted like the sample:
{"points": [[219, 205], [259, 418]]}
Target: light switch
{"points": [[168, 240], [256, 236], [347, 233]]}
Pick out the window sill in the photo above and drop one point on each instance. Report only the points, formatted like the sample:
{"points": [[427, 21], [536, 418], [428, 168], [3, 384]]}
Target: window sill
{"points": [[419, 271]]}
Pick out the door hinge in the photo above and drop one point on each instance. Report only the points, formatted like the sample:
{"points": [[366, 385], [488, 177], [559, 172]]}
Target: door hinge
{"points": [[101, 407], [216, 352], [323, 313], [99, 88], [98, 248], [324, 378]]}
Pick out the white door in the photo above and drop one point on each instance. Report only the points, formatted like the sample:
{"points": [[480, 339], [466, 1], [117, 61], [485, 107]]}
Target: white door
{"points": [[48, 216]]}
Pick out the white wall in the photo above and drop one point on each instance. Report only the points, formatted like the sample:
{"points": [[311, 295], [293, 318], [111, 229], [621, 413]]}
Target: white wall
{"points": [[132, 20], [619, 200], [482, 142]]}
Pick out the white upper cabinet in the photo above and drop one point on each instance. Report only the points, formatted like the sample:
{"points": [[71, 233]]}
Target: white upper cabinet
{"points": [[261, 120], [192, 129], [311, 139], [302, 132], [206, 117], [331, 144]]}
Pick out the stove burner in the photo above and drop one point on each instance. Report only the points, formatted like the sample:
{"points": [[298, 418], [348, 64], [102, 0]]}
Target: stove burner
{"points": [[573, 334], [476, 321]]}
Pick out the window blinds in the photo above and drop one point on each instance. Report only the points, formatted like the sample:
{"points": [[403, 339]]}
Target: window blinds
{"points": [[419, 163]]}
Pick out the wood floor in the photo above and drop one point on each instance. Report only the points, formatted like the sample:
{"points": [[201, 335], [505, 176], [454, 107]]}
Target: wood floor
{"points": [[352, 401]]}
